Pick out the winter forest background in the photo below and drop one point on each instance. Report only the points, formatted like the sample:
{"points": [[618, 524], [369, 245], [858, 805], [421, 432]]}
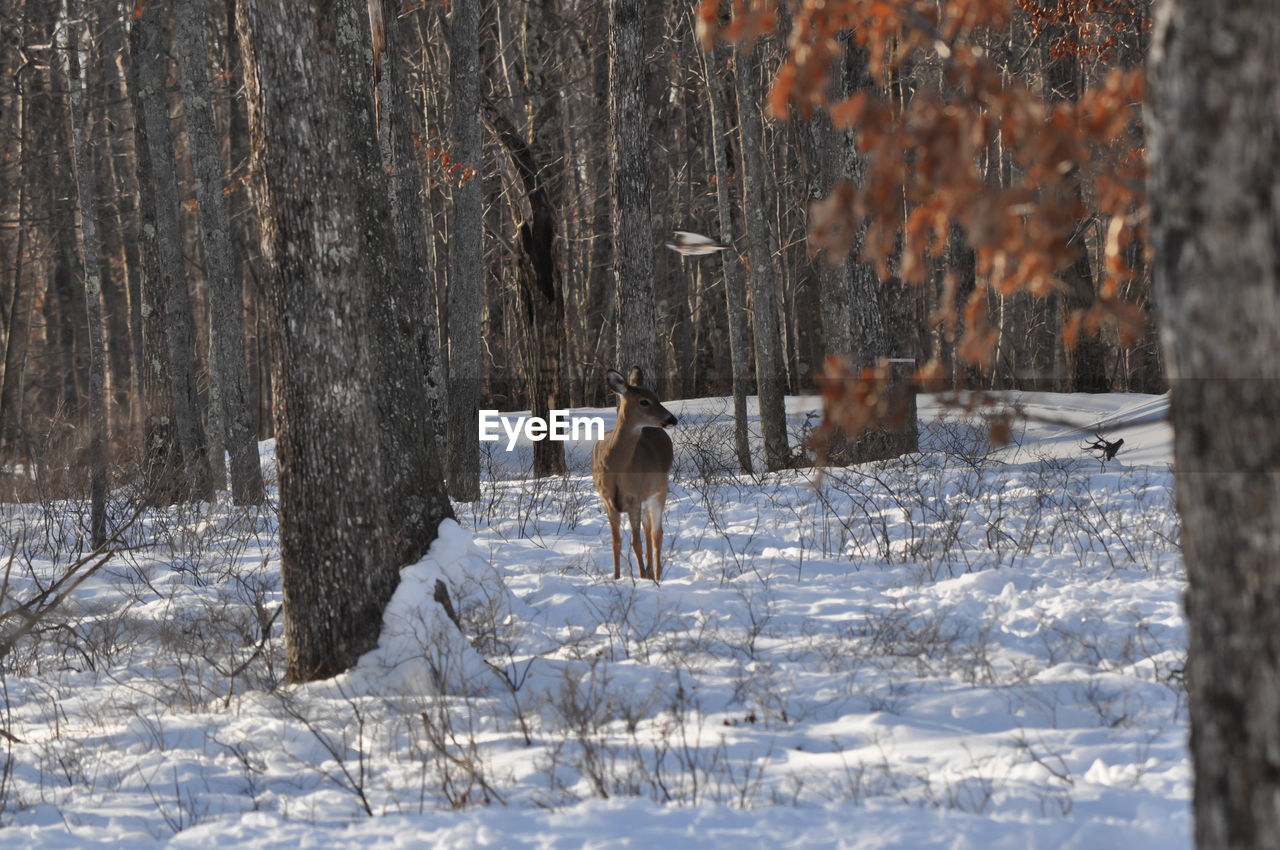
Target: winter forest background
{"points": [[261, 264]]}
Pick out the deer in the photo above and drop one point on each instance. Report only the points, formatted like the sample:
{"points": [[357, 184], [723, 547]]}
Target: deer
{"points": [[630, 466]]}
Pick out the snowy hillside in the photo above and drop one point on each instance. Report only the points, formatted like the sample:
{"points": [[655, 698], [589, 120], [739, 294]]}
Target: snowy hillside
{"points": [[966, 648]]}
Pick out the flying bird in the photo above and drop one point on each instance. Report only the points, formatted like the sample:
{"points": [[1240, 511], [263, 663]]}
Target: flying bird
{"points": [[694, 244]]}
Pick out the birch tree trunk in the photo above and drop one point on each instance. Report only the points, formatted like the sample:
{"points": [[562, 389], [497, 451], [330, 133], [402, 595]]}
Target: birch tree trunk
{"points": [[226, 307], [1215, 202]]}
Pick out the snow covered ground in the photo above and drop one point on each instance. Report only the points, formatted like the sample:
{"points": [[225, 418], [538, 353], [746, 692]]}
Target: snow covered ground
{"points": [[966, 648]]}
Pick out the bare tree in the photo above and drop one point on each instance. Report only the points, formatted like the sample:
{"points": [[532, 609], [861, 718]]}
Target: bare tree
{"points": [[169, 306], [637, 311], [396, 281], [734, 285], [346, 525], [539, 287], [75, 58], [161, 451], [416, 275], [770, 363], [466, 255], [226, 310], [22, 297]]}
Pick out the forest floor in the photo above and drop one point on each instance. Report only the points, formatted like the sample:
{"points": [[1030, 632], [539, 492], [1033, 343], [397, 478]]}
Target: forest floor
{"points": [[965, 648]]}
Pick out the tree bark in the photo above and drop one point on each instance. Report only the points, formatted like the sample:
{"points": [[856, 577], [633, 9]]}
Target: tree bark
{"points": [[75, 59], [244, 223], [107, 43], [226, 307], [417, 278], [880, 313], [70, 331], [770, 365], [1215, 169], [637, 312], [538, 278], [170, 303], [23, 296], [541, 299], [852, 322], [396, 280], [162, 455], [338, 564], [466, 255], [734, 285]]}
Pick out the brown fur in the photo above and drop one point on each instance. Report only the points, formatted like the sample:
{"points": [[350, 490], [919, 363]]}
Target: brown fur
{"points": [[630, 467]]}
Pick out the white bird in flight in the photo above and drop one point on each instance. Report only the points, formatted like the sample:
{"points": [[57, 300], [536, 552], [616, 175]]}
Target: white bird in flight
{"points": [[694, 244]]}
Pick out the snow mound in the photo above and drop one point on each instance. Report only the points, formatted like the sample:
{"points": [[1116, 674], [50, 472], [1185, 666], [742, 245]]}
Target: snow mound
{"points": [[421, 650]]}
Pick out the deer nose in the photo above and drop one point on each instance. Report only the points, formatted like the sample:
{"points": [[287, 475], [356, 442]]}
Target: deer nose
{"points": [[669, 421]]}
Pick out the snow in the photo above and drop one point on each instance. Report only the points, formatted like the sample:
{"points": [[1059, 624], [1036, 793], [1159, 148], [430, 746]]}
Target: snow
{"points": [[966, 648]]}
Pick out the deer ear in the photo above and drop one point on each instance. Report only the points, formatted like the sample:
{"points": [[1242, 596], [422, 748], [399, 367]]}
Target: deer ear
{"points": [[635, 377], [616, 382]]}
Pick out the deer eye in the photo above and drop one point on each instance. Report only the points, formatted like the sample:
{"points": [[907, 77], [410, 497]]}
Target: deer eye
{"points": [[644, 402]]}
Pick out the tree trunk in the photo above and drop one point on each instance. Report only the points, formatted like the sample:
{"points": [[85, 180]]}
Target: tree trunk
{"points": [[901, 434], [339, 564], [162, 455], [734, 285], [244, 222], [75, 58], [466, 255], [71, 331], [1213, 125], [22, 297], [770, 366], [538, 272], [884, 321], [226, 308], [417, 278], [848, 285], [116, 242], [1086, 358], [127, 214], [396, 280], [170, 303], [637, 312], [538, 284]]}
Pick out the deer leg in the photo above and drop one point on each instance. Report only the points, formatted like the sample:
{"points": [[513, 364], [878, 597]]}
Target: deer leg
{"points": [[648, 540], [654, 527], [615, 532], [637, 533]]}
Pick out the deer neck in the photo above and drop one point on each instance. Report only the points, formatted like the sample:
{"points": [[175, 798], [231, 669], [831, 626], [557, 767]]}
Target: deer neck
{"points": [[621, 441]]}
